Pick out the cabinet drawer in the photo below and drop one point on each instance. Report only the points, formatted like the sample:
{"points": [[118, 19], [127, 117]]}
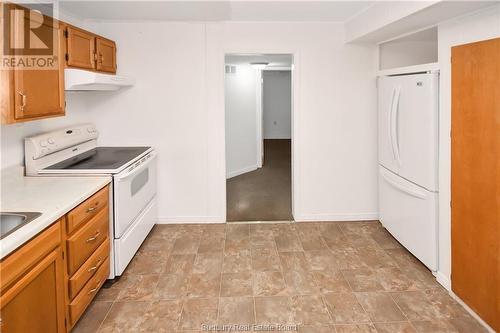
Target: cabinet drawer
{"points": [[16, 264], [88, 269], [88, 292], [87, 239], [86, 210]]}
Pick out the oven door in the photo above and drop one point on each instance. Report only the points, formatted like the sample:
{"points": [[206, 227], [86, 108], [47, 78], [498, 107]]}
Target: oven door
{"points": [[134, 188]]}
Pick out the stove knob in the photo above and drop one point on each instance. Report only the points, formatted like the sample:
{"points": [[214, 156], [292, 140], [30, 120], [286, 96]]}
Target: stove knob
{"points": [[43, 143], [51, 141], [90, 129]]}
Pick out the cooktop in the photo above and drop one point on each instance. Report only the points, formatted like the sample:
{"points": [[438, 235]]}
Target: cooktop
{"points": [[100, 158]]}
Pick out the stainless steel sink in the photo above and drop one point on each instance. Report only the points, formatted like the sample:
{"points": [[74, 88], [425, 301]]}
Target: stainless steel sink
{"points": [[11, 221]]}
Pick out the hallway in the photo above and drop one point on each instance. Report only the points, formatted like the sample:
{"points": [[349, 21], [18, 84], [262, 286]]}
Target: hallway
{"points": [[263, 194]]}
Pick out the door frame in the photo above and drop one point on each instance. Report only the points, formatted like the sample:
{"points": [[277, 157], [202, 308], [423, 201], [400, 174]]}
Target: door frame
{"points": [[295, 118], [259, 88]]}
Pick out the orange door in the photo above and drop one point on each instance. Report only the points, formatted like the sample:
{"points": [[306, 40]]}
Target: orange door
{"points": [[475, 179]]}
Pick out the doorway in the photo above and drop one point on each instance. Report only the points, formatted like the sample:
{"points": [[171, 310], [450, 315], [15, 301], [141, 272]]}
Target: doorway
{"points": [[258, 117]]}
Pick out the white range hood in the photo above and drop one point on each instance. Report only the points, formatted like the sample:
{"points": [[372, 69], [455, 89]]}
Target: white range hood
{"points": [[81, 80]]}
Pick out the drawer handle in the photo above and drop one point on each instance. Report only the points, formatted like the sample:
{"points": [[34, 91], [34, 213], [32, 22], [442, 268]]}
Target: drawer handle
{"points": [[91, 209], [91, 269], [91, 291], [93, 238]]}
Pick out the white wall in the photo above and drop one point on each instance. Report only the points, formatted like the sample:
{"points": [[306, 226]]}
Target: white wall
{"points": [[415, 49], [334, 165], [482, 25], [277, 104], [177, 105], [241, 121]]}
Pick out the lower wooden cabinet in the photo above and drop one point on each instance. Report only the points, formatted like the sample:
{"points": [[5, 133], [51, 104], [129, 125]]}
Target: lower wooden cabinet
{"points": [[34, 302], [47, 283]]}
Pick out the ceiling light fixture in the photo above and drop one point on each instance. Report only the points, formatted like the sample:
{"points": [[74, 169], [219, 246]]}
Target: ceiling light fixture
{"points": [[259, 65]]}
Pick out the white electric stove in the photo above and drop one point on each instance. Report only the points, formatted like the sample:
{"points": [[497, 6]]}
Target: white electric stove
{"points": [[73, 151]]}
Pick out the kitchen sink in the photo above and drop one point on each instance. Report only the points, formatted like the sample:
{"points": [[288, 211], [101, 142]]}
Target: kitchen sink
{"points": [[11, 221]]}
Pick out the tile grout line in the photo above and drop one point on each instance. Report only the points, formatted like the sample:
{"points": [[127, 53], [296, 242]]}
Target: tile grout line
{"points": [[253, 277], [104, 318], [282, 271], [357, 300], [186, 298], [221, 272]]}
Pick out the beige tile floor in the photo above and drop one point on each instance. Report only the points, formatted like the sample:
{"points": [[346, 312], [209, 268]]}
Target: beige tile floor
{"points": [[324, 277]]}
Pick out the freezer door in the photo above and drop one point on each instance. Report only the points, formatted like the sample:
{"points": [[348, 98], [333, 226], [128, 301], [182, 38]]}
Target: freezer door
{"points": [[409, 127], [409, 213]]}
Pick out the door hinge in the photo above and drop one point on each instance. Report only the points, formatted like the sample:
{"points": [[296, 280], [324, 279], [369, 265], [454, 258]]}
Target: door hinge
{"points": [[66, 56], [66, 33]]}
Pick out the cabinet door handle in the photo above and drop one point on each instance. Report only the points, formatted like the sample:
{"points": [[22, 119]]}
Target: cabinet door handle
{"points": [[93, 238], [101, 58], [91, 269], [24, 99]]}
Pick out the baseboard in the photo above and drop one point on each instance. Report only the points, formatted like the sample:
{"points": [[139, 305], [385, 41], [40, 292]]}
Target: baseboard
{"points": [[189, 219], [336, 217], [443, 280], [241, 171], [471, 312]]}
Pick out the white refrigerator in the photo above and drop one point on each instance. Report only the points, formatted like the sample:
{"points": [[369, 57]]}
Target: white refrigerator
{"points": [[408, 162]]}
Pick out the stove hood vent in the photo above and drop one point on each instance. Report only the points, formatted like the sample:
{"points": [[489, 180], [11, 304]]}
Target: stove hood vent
{"points": [[81, 80]]}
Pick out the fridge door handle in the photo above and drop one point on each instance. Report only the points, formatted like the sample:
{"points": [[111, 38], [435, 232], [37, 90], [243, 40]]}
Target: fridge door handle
{"points": [[389, 119], [394, 124], [420, 194]]}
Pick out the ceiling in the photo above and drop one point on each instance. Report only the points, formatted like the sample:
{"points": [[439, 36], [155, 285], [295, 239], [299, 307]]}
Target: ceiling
{"points": [[166, 10], [274, 60]]}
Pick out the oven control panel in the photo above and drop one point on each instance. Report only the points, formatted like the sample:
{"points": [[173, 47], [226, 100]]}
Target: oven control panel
{"points": [[51, 142]]}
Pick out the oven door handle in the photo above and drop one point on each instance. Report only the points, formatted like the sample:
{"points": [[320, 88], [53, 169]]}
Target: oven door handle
{"points": [[121, 177]]}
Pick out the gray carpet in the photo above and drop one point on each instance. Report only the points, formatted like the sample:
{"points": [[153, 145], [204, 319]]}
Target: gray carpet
{"points": [[264, 194]]}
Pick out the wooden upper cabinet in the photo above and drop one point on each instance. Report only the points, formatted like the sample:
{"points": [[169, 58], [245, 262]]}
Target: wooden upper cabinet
{"points": [[106, 55], [80, 48], [33, 93], [86, 50]]}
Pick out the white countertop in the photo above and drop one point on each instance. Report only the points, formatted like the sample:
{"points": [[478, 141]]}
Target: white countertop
{"points": [[51, 196]]}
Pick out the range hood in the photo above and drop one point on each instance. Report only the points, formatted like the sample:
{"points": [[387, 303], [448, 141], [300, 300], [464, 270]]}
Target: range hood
{"points": [[81, 80]]}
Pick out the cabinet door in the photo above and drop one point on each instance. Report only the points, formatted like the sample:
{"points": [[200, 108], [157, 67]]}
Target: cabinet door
{"points": [[38, 93], [36, 302], [80, 48], [106, 55]]}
